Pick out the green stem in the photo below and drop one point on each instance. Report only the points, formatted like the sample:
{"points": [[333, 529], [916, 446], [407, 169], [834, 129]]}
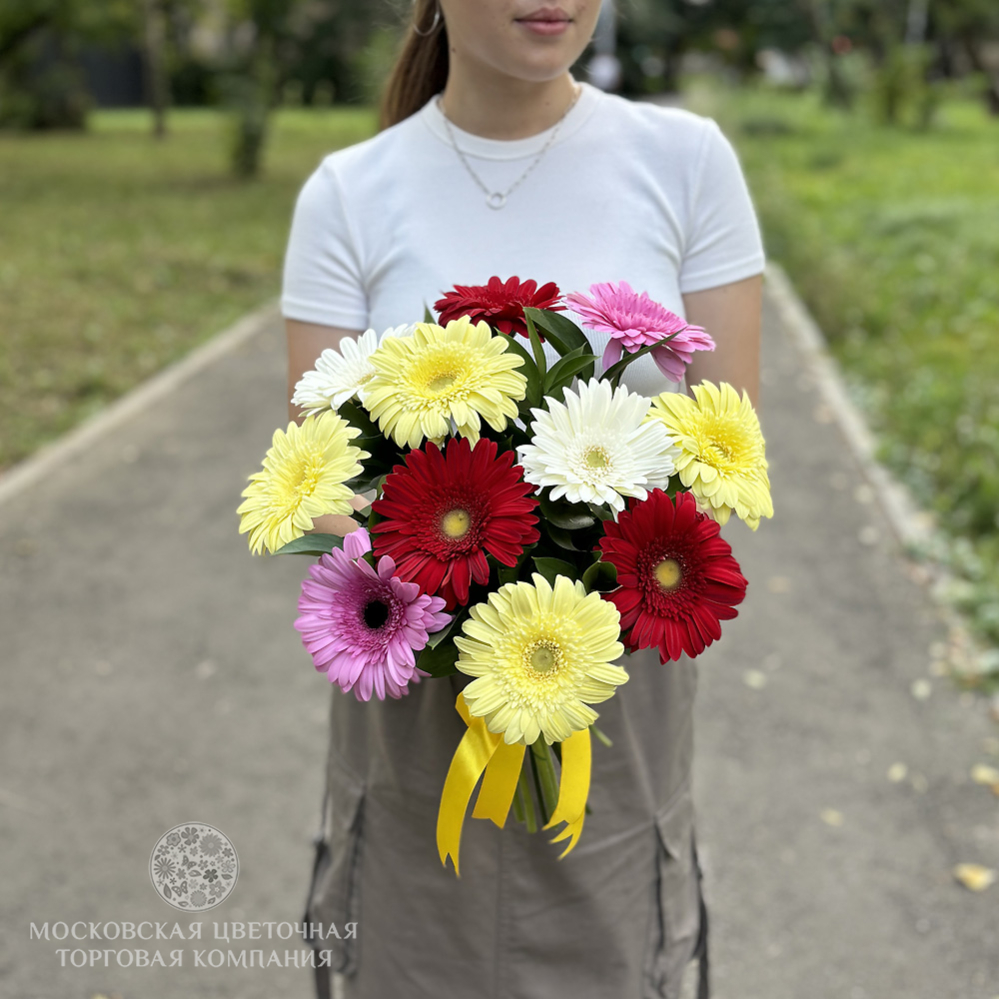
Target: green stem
{"points": [[524, 793], [600, 735], [542, 755], [538, 788], [539, 352], [518, 804]]}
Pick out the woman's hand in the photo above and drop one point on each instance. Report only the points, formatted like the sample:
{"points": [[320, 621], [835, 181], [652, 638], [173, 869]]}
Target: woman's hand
{"points": [[339, 525]]}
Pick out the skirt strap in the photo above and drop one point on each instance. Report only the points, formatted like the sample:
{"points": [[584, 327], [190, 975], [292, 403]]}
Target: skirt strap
{"points": [[322, 976], [701, 949]]}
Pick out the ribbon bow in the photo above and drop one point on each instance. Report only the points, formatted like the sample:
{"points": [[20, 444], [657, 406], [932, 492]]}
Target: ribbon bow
{"points": [[481, 751]]}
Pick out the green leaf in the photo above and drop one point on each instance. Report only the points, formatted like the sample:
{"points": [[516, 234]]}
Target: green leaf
{"points": [[600, 576], [511, 573], [562, 538], [428, 316], [614, 372], [382, 450], [371, 478], [439, 660], [564, 334], [454, 628], [601, 511], [552, 567], [566, 368], [539, 351], [528, 369], [312, 544], [568, 516], [357, 416]]}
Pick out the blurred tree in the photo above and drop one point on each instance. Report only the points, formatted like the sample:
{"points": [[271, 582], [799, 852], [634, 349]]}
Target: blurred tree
{"points": [[972, 24], [157, 83], [277, 45], [653, 35], [343, 44], [41, 85], [249, 81]]}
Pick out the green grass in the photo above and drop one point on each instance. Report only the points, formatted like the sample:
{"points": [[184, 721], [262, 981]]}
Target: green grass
{"points": [[892, 238], [120, 253]]}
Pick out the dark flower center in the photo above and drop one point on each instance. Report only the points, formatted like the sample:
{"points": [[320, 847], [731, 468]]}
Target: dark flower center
{"points": [[375, 614]]}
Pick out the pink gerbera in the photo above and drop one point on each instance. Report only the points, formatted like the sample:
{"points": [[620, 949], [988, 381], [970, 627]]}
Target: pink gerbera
{"points": [[635, 321], [362, 625]]}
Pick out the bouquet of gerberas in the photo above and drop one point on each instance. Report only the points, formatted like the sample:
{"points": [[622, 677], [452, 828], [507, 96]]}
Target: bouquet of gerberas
{"points": [[526, 523]]}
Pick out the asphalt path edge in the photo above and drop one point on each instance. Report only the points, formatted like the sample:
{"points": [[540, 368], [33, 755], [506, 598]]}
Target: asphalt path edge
{"points": [[71, 444], [912, 526]]}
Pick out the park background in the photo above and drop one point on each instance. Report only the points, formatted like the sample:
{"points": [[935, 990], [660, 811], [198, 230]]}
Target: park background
{"points": [[151, 152]]}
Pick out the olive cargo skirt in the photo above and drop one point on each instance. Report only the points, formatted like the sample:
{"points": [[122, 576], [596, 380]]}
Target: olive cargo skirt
{"points": [[621, 916]]}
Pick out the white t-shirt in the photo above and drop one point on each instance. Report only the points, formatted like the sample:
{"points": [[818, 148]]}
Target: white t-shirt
{"points": [[627, 191]]}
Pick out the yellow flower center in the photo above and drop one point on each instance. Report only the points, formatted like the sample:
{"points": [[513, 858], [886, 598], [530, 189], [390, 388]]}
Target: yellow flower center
{"points": [[455, 523], [302, 481], [668, 574], [719, 453], [544, 657], [720, 442], [596, 457], [442, 382]]}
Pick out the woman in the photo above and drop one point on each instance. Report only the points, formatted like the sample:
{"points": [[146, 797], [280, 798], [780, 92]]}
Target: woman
{"points": [[517, 169]]}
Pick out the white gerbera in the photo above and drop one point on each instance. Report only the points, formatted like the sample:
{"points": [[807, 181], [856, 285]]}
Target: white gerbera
{"points": [[341, 374], [596, 447]]}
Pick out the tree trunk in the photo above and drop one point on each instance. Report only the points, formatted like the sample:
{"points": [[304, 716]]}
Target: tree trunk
{"points": [[157, 88], [838, 91], [971, 46]]}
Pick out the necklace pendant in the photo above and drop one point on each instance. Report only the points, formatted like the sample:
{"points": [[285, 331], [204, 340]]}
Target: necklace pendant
{"points": [[496, 200]]}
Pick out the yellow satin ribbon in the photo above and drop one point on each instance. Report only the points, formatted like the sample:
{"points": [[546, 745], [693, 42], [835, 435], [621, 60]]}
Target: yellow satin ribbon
{"points": [[478, 750], [481, 750], [574, 788]]}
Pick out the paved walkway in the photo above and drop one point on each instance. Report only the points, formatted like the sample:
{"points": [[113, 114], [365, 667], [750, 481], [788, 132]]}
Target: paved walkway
{"points": [[150, 676]]}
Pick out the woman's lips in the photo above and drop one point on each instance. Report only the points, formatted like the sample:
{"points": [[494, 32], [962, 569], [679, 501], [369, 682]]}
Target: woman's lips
{"points": [[546, 22]]}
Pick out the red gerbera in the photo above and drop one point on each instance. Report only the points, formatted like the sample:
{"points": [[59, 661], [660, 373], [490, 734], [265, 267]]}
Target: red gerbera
{"points": [[499, 304], [444, 512], [677, 576]]}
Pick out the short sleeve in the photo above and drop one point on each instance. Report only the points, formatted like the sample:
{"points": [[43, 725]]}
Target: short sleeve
{"points": [[323, 280], [723, 241]]}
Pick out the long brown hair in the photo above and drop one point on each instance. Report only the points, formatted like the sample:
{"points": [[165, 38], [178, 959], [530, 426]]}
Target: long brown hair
{"points": [[421, 69]]}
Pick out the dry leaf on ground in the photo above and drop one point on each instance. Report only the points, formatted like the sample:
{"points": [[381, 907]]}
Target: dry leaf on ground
{"points": [[974, 877]]}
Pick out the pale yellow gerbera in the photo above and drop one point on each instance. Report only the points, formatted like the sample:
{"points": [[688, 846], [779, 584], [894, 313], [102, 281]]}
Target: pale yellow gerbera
{"points": [[541, 656], [442, 375], [722, 452], [303, 477]]}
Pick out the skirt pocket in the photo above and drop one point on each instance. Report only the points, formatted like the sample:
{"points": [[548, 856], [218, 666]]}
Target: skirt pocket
{"points": [[677, 897], [334, 894]]}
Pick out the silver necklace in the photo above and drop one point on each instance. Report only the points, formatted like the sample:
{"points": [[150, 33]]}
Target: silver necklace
{"points": [[497, 199]]}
